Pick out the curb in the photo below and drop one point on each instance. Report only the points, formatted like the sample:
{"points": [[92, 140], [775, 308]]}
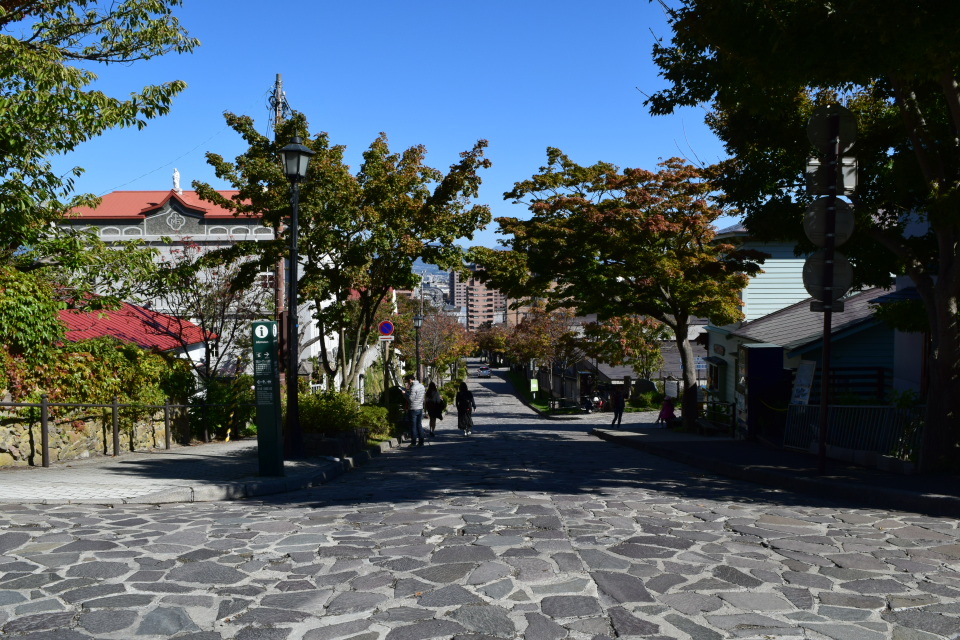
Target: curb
{"points": [[824, 488]]}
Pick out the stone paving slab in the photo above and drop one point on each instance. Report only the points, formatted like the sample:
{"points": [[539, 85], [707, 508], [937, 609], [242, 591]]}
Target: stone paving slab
{"points": [[527, 529]]}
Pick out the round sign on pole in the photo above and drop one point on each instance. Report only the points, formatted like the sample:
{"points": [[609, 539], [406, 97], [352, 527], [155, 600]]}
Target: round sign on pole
{"points": [[818, 127], [813, 270], [386, 328], [815, 222]]}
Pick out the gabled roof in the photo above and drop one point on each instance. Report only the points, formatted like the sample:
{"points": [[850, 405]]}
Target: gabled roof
{"points": [[132, 323], [137, 205], [796, 328]]}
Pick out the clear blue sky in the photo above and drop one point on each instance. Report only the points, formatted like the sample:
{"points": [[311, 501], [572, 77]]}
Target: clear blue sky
{"points": [[523, 74]]}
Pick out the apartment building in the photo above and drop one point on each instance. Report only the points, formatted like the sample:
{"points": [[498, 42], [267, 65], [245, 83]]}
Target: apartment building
{"points": [[481, 303]]}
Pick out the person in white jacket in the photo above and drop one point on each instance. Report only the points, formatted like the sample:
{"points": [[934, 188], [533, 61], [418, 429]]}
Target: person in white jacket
{"points": [[415, 395]]}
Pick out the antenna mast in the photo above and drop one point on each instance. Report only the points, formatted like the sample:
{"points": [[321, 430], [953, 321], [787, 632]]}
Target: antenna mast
{"points": [[279, 107]]}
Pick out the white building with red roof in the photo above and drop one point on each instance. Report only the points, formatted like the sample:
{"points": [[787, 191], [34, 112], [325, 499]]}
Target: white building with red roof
{"points": [[174, 219], [178, 215]]}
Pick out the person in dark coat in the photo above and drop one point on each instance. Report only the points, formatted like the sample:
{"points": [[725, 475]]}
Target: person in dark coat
{"points": [[465, 408], [617, 403], [434, 404]]}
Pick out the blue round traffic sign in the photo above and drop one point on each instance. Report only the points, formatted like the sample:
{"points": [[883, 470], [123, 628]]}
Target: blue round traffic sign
{"points": [[386, 328]]}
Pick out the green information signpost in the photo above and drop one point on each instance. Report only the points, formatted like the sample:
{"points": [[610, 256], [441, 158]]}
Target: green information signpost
{"points": [[266, 376]]}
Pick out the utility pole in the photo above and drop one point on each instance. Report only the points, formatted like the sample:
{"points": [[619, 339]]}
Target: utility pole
{"points": [[278, 103]]}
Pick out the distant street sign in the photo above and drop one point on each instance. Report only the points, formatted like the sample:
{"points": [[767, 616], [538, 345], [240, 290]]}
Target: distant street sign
{"points": [[820, 178], [818, 127], [386, 338], [386, 328]]}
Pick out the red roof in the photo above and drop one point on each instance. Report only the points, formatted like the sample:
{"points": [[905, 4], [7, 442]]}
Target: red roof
{"points": [[137, 205], [131, 323]]}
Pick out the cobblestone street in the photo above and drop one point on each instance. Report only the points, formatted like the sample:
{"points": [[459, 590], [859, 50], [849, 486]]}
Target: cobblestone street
{"points": [[529, 528]]}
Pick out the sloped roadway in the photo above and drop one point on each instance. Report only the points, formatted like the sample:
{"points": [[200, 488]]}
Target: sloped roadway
{"points": [[530, 528]]}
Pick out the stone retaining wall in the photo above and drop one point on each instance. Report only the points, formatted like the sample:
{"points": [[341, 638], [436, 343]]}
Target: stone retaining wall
{"points": [[77, 434]]}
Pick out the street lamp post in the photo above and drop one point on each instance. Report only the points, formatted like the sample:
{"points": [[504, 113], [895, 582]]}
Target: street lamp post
{"points": [[296, 157], [417, 323]]}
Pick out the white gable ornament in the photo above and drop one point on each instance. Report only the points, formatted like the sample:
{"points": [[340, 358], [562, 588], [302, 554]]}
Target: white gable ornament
{"points": [[176, 221]]}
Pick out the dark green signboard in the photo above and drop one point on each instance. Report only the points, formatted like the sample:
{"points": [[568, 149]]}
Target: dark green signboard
{"points": [[266, 376]]}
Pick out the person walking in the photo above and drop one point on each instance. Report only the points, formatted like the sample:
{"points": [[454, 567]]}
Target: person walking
{"points": [[434, 404], [465, 407], [415, 396], [617, 403]]}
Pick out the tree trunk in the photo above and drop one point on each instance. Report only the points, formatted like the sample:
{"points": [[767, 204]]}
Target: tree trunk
{"points": [[938, 447], [689, 363]]}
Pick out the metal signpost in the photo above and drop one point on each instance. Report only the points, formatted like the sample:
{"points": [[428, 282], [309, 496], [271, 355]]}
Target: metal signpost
{"points": [[266, 376], [827, 275]]}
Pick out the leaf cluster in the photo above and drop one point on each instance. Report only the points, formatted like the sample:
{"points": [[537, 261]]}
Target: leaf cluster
{"points": [[753, 62], [47, 105], [359, 234]]}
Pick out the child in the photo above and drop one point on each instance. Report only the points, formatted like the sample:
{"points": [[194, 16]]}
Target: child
{"points": [[666, 412]]}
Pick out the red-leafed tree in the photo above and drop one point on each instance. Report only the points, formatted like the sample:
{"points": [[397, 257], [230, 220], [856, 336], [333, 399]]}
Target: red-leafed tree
{"points": [[627, 340], [549, 337]]}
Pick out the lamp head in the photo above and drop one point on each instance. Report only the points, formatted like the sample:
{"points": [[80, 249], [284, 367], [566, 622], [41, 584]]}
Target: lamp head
{"points": [[296, 157]]}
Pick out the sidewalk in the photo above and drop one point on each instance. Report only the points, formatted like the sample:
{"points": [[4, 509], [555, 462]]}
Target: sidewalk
{"points": [[796, 471], [198, 473]]}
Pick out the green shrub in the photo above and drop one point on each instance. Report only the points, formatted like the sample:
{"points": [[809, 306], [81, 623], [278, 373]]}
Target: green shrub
{"points": [[333, 412], [646, 400], [329, 412], [449, 392], [375, 420], [231, 412]]}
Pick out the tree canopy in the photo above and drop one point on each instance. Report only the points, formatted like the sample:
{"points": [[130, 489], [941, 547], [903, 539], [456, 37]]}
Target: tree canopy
{"points": [[614, 243], [48, 106], [763, 67], [359, 234]]}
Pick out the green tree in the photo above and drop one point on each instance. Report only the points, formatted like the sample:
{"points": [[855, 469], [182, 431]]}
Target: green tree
{"points": [[754, 64], [30, 324], [359, 234], [624, 243], [627, 340], [47, 105], [193, 292]]}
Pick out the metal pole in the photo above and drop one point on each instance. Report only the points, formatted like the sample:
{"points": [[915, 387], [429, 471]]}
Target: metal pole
{"points": [[418, 353], [423, 274], [44, 430], [386, 373], [116, 426], [828, 250], [294, 439], [166, 424]]}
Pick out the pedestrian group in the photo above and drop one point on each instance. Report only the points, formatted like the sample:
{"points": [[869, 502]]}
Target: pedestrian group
{"points": [[430, 401]]}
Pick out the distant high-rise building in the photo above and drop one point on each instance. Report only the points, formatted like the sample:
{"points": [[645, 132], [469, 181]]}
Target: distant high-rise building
{"points": [[481, 303]]}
